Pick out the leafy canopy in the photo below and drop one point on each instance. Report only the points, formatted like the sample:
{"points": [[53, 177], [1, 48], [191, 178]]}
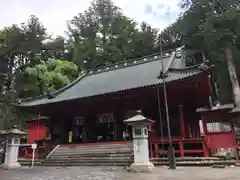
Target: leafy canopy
{"points": [[51, 75]]}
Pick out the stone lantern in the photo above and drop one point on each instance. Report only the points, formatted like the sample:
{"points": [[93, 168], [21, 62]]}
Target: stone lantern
{"points": [[12, 146], [139, 125]]}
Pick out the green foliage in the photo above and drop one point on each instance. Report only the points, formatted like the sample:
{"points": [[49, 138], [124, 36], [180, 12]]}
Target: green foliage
{"points": [[49, 76], [212, 26], [9, 114], [54, 48], [100, 35], [103, 35]]}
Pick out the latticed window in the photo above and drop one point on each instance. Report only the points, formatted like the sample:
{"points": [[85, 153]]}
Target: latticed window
{"points": [[79, 121], [218, 127], [105, 118]]}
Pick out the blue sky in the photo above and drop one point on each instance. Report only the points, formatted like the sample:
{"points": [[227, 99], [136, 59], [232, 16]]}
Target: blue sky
{"points": [[54, 13]]}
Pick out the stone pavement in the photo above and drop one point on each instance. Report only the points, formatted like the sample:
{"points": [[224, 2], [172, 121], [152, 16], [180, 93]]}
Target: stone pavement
{"points": [[117, 173]]}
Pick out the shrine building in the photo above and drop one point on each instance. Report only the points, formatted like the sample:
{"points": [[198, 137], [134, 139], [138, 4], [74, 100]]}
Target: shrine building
{"points": [[92, 108]]}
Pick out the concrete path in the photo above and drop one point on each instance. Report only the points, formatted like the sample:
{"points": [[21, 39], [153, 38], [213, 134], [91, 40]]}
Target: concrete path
{"points": [[116, 173]]}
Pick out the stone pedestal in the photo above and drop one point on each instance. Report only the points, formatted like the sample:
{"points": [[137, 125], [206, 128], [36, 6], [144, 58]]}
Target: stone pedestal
{"points": [[12, 147], [142, 167], [14, 165], [11, 155], [140, 143]]}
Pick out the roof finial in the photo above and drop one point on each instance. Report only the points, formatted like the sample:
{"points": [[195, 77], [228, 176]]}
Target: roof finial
{"points": [[138, 112], [14, 126]]}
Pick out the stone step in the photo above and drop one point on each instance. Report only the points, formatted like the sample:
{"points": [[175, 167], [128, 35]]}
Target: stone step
{"points": [[130, 154], [60, 149], [88, 161], [187, 159], [120, 151], [91, 157], [91, 160], [28, 162], [195, 163], [101, 146], [85, 164], [97, 145], [77, 162], [125, 163]]}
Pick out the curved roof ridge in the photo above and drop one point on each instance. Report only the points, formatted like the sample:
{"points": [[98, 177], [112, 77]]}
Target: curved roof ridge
{"points": [[131, 62], [55, 93], [126, 77], [125, 65]]}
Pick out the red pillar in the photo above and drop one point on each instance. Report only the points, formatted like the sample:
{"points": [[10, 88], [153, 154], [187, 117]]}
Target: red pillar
{"points": [[204, 144], [182, 123], [204, 125], [205, 150], [236, 143], [181, 149]]}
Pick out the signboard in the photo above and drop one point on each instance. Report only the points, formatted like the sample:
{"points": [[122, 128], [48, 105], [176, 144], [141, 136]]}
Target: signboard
{"points": [[34, 146]]}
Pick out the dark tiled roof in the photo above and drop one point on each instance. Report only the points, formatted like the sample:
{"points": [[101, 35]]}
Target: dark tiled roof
{"points": [[121, 77]]}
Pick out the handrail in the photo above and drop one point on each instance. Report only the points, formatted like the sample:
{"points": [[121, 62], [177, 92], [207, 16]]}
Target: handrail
{"points": [[54, 149]]}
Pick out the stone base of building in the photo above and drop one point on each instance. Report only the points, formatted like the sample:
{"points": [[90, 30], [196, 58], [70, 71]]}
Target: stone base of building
{"points": [[142, 167], [15, 165]]}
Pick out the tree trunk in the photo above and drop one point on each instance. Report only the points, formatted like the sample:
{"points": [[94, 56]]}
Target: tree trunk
{"points": [[232, 73]]}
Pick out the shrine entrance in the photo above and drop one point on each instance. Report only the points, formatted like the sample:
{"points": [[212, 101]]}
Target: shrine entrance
{"points": [[106, 127], [79, 130]]}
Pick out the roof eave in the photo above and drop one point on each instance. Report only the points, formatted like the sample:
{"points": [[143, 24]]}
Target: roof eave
{"points": [[109, 93]]}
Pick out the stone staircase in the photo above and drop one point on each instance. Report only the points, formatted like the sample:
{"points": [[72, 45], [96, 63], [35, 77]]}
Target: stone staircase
{"points": [[112, 154], [194, 161], [99, 154]]}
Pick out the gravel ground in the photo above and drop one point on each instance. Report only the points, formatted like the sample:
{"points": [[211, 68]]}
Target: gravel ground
{"points": [[117, 173]]}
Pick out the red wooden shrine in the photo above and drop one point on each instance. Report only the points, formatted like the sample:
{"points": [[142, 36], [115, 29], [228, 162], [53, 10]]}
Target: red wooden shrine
{"points": [[91, 109]]}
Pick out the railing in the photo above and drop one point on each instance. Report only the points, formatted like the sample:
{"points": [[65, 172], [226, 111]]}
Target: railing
{"points": [[42, 151], [183, 147]]}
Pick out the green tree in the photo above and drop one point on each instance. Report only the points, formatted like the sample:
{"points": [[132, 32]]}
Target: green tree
{"points": [[103, 35], [9, 114], [220, 29], [214, 25], [21, 46], [49, 76], [144, 41], [54, 48]]}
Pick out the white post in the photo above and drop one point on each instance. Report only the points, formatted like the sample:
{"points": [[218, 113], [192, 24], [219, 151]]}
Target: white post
{"points": [[34, 147]]}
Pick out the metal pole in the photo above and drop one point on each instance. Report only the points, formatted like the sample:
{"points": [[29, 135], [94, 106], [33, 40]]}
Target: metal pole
{"points": [[171, 152], [33, 158]]}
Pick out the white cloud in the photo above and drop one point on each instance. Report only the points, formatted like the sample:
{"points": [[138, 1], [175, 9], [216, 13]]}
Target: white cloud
{"points": [[136, 9], [54, 14]]}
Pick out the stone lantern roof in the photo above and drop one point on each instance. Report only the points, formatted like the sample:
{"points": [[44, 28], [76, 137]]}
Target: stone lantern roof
{"points": [[13, 132], [138, 120]]}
